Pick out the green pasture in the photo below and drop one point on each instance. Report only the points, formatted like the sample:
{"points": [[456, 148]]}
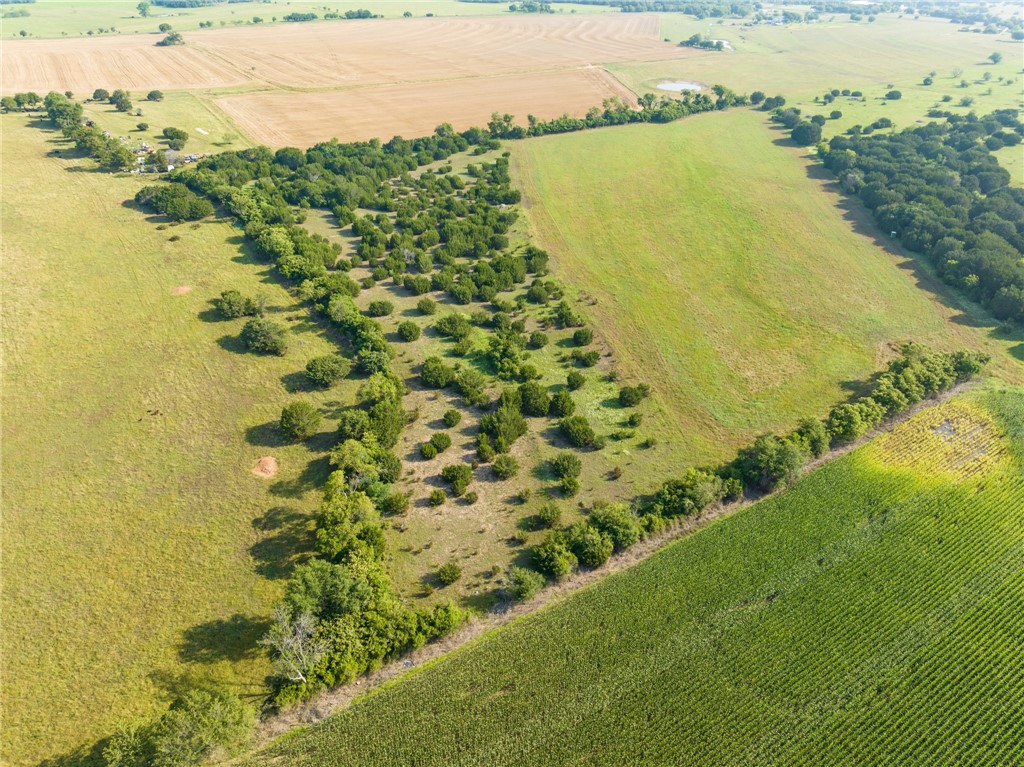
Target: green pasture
{"points": [[140, 552], [728, 274], [76, 18], [869, 615]]}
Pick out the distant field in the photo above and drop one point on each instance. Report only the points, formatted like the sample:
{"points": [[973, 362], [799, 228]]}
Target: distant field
{"points": [[75, 18], [335, 55], [723, 275], [139, 550], [802, 61], [358, 114], [869, 615]]}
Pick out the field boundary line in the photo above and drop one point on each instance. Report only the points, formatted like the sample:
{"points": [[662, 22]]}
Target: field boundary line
{"points": [[323, 705]]}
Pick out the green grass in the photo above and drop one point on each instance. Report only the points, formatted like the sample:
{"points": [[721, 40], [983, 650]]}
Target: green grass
{"points": [[724, 273], [803, 61], [139, 550], [869, 615], [74, 18]]}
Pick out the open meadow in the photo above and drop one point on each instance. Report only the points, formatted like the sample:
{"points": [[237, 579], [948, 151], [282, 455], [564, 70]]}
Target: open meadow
{"points": [[140, 550], [527, 338], [729, 275], [868, 615]]}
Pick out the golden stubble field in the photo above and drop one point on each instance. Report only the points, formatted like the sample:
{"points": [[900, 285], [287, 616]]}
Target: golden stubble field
{"points": [[359, 79]]}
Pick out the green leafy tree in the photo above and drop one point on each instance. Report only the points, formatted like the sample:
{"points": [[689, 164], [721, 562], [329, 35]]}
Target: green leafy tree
{"points": [[996, 57], [199, 725], [522, 583], [143, 9], [265, 336], [327, 370], [300, 420], [448, 573]]}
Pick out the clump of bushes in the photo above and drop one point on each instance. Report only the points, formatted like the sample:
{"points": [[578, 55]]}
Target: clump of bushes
{"points": [[327, 370], [265, 336], [231, 304], [458, 476], [575, 380], [549, 515], [437, 497], [630, 396], [577, 430], [523, 584], [451, 418], [380, 308]]}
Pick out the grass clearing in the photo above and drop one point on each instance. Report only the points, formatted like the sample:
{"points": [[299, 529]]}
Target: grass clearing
{"points": [[139, 550], [724, 276], [858, 618]]}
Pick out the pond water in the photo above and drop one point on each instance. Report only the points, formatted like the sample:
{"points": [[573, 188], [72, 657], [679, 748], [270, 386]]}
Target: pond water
{"points": [[679, 86]]}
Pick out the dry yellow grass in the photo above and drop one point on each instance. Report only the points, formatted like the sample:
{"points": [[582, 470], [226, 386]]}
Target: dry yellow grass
{"points": [[302, 119]]}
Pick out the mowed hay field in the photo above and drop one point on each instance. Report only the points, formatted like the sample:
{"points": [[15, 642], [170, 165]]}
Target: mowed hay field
{"points": [[869, 615], [725, 276], [357, 52], [139, 550], [358, 114]]}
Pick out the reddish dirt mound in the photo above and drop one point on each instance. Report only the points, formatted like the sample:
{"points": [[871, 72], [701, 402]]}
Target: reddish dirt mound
{"points": [[265, 467], [181, 290]]}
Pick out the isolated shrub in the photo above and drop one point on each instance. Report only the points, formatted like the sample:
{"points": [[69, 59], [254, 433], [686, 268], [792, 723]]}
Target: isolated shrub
{"points": [[562, 404], [327, 370], [451, 418], [408, 330], [538, 340], [566, 465], [426, 306], [577, 430], [575, 380], [835, 114], [436, 374], [265, 336], [505, 466], [437, 497], [458, 476], [534, 399], [894, 95], [300, 420], [441, 441], [380, 308], [231, 304], [100, 94], [549, 515], [583, 336], [142, 126], [448, 573], [635, 419], [570, 486], [155, 96], [630, 396], [428, 450], [522, 583]]}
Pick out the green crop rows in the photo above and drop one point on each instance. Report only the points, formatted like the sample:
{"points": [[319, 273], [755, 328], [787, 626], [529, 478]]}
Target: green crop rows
{"points": [[874, 614]]}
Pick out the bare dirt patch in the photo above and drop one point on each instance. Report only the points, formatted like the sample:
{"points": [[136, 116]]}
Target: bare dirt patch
{"points": [[358, 114], [181, 290], [265, 467]]}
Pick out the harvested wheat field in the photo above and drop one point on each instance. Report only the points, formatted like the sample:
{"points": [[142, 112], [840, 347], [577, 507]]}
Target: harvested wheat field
{"points": [[358, 114], [332, 55]]}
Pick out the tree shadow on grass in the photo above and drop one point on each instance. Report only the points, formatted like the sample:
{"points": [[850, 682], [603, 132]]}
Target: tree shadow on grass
{"points": [[232, 639], [297, 382], [313, 476], [289, 542], [232, 344], [266, 435], [83, 756]]}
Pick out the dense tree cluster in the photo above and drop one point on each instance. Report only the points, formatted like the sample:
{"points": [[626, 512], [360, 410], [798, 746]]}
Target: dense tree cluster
{"points": [[941, 191], [176, 201]]}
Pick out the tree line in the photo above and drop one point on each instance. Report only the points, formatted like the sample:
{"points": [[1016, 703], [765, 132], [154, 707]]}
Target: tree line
{"points": [[939, 189]]}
